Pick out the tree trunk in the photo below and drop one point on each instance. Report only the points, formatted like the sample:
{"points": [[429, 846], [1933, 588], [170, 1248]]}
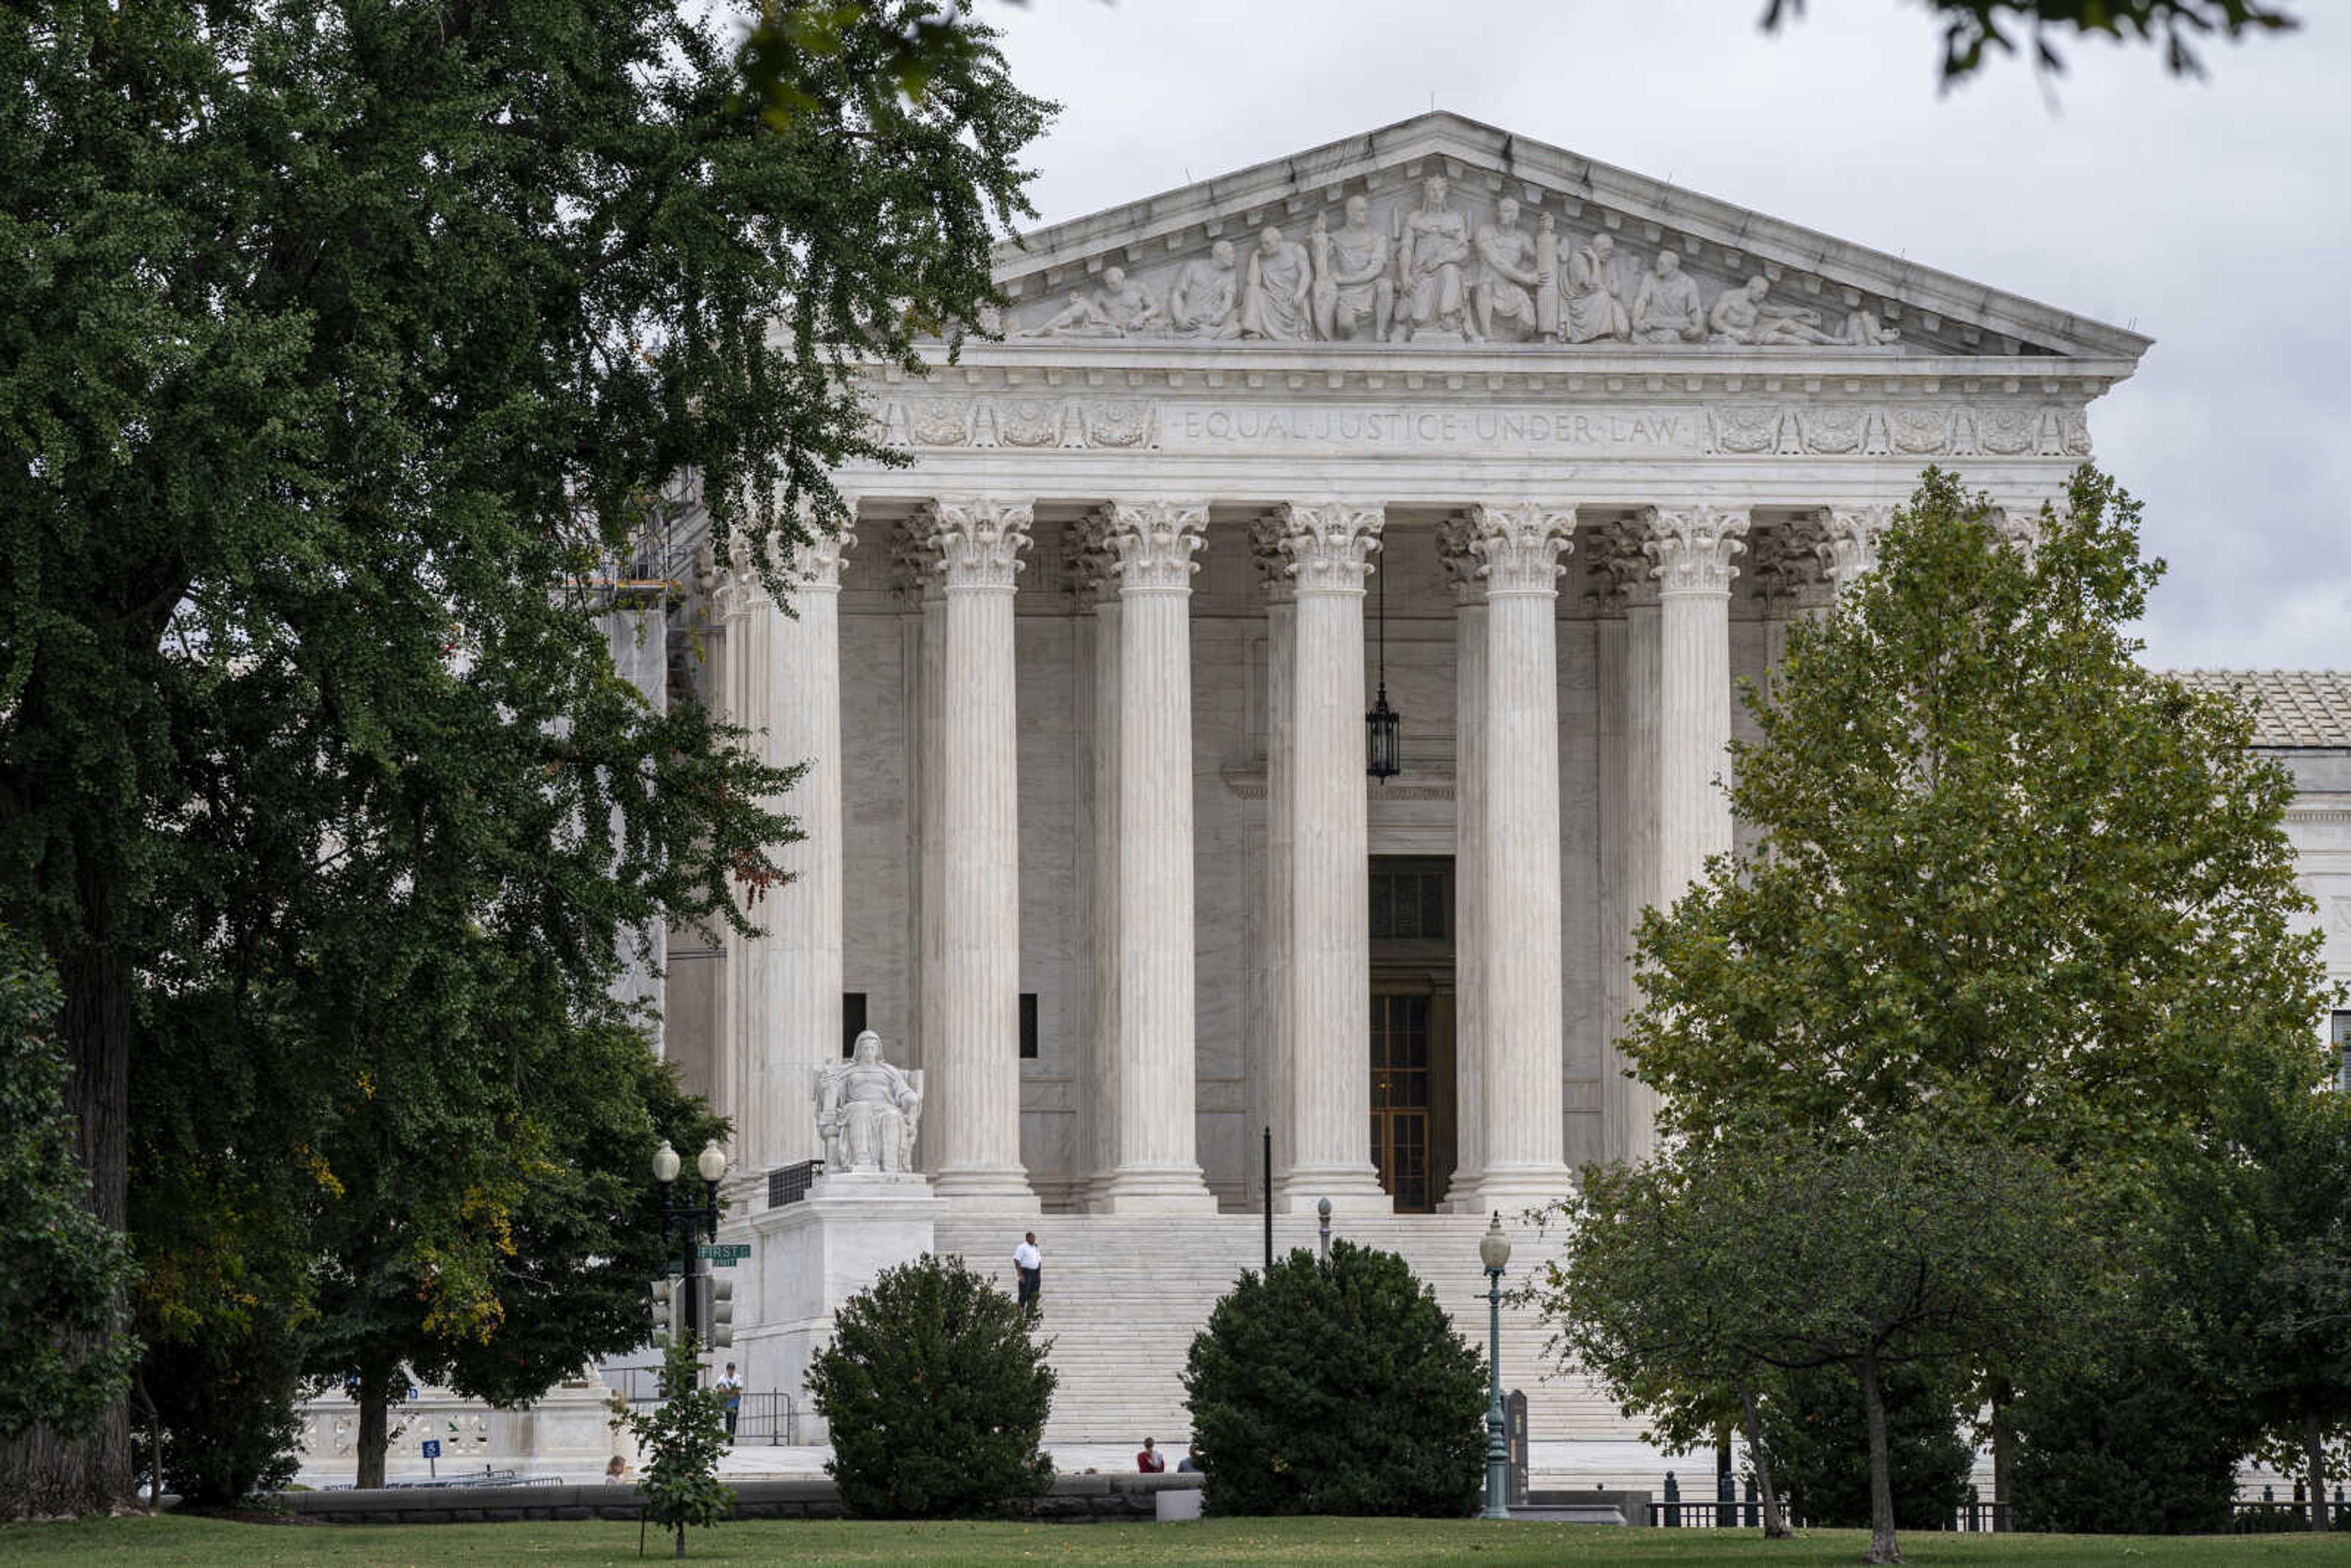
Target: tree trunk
{"points": [[2314, 1436], [1882, 1548], [375, 1425], [1775, 1523], [42, 1473]]}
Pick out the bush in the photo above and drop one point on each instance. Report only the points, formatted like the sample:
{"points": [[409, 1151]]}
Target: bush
{"points": [[1819, 1437], [2143, 1444], [1337, 1388], [935, 1395]]}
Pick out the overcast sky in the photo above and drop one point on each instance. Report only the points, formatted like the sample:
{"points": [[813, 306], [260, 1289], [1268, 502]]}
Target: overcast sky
{"points": [[2210, 215]]}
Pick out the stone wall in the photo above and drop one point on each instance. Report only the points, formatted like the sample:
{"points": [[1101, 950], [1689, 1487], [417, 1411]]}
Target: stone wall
{"points": [[1074, 1499]]}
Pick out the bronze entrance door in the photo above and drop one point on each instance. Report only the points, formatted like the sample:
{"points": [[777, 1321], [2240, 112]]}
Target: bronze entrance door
{"points": [[1400, 1098]]}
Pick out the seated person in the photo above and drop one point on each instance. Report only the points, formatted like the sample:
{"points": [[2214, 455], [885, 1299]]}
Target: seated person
{"points": [[1151, 1461]]}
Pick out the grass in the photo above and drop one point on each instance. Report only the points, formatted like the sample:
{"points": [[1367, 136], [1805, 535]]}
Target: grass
{"points": [[174, 1543]]}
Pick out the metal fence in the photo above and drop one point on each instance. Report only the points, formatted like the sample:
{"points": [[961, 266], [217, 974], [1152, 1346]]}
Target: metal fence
{"points": [[1747, 1513], [2268, 1517], [773, 1417]]}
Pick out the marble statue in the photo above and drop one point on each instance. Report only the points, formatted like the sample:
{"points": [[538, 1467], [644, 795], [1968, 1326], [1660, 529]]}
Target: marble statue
{"points": [[868, 1111], [1350, 280], [1506, 277], [1592, 310], [1206, 299], [1667, 310], [1081, 317], [1863, 329], [1432, 297], [1277, 303], [1743, 315], [1129, 305]]}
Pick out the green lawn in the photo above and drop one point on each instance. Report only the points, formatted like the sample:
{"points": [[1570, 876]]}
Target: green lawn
{"points": [[208, 1543]]}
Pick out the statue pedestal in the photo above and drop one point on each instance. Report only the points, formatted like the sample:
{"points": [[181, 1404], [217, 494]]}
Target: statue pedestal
{"points": [[807, 1259]]}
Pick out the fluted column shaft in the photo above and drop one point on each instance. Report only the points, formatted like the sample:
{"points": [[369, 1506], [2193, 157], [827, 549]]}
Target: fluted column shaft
{"points": [[1280, 722], [1523, 1132], [805, 914], [1615, 861], [1691, 552], [976, 1093], [1468, 858], [742, 608], [1634, 1136], [1329, 546], [1158, 1167], [1106, 1045]]}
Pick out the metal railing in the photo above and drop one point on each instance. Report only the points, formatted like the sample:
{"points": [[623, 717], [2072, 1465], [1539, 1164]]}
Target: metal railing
{"points": [[2269, 1518], [772, 1417], [1747, 1513]]}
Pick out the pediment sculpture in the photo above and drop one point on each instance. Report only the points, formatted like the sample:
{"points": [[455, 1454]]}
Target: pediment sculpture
{"points": [[1438, 274], [868, 1113]]}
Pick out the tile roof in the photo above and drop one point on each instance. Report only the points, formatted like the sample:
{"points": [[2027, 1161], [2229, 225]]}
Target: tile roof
{"points": [[2297, 708]]}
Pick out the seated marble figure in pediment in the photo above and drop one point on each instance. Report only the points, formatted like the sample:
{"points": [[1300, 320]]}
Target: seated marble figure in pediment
{"points": [[1427, 249]]}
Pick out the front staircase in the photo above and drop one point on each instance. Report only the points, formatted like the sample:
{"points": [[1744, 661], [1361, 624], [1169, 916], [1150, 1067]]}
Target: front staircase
{"points": [[1123, 1296]]}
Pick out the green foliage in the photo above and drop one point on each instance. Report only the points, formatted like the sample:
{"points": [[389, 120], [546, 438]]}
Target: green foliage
{"points": [[2142, 1441], [64, 1355], [2006, 877], [1819, 1435], [935, 1394], [347, 345], [1973, 27], [682, 1437], [1337, 1387]]}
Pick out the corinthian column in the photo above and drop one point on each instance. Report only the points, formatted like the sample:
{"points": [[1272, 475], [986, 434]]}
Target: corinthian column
{"points": [[1848, 550], [1158, 1169], [1454, 541], [1691, 553], [1519, 547], [1094, 579], [976, 1087], [1280, 765], [1632, 1132], [804, 730], [1330, 546], [738, 1071]]}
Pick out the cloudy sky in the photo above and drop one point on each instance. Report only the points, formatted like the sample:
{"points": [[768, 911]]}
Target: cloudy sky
{"points": [[2209, 215]]}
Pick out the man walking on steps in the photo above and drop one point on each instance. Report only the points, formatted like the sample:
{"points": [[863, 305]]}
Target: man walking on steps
{"points": [[1029, 1265]]}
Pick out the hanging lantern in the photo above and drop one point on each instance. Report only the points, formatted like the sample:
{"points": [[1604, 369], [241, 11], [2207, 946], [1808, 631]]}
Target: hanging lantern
{"points": [[1383, 747]]}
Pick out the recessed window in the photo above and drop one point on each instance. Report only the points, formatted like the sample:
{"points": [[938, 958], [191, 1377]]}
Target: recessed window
{"points": [[2342, 1039], [852, 1020], [1028, 1026], [1409, 903]]}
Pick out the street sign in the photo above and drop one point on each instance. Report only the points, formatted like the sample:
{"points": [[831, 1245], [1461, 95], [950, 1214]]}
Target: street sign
{"points": [[675, 1266], [724, 1251], [432, 1448]]}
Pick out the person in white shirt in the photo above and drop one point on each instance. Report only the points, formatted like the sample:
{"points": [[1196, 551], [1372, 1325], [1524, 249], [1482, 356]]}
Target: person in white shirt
{"points": [[1030, 1264], [731, 1386]]}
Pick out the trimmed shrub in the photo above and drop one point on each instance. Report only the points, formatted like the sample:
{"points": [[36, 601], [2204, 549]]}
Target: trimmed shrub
{"points": [[1337, 1388], [2143, 1445], [935, 1395]]}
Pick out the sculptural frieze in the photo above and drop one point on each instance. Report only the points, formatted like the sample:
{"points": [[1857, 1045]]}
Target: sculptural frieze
{"points": [[1666, 308], [1432, 265], [1507, 276], [1277, 300], [1352, 286], [868, 1113], [1206, 301]]}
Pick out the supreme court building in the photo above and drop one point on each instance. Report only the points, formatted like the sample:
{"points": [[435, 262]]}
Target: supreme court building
{"points": [[1541, 455]]}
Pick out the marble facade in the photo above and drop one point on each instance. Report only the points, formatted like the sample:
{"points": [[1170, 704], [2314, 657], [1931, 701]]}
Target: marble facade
{"points": [[1095, 666]]}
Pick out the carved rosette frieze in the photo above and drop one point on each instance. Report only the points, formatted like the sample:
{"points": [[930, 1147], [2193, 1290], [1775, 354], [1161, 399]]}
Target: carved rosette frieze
{"points": [[1273, 561], [979, 541], [1330, 544], [1691, 548], [1849, 542], [1519, 546], [1455, 540], [1155, 542]]}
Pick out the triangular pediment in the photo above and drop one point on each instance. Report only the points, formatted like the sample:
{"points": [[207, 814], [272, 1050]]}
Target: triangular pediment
{"points": [[1193, 265]]}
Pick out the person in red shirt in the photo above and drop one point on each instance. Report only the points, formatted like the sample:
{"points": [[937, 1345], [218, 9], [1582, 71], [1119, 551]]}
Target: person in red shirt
{"points": [[1151, 1461]]}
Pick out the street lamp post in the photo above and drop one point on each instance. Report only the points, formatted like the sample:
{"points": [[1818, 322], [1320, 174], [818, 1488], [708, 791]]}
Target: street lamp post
{"points": [[696, 1220], [1494, 1252]]}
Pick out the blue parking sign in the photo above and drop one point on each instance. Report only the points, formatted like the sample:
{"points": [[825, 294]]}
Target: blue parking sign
{"points": [[432, 1448]]}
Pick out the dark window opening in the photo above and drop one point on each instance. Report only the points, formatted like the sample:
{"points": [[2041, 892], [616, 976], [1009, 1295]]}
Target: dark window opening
{"points": [[2342, 1040], [852, 1020], [1028, 1026], [1412, 902]]}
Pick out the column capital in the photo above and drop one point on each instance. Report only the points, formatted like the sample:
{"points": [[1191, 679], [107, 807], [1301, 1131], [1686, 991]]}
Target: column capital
{"points": [[1621, 568], [1690, 549], [1455, 548], [979, 540], [816, 563], [1089, 560], [740, 590], [1519, 545], [1330, 544], [915, 557], [1273, 561], [1848, 545], [1155, 542]]}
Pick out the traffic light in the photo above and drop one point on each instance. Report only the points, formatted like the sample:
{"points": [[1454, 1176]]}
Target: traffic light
{"points": [[665, 1305], [718, 1314]]}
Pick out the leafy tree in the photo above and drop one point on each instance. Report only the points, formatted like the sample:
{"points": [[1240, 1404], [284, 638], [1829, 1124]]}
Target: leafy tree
{"points": [[342, 338], [1971, 29], [684, 1436], [2142, 1438], [1337, 1387], [2262, 1246], [1819, 1435], [64, 1355], [935, 1394], [1644, 1297]]}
